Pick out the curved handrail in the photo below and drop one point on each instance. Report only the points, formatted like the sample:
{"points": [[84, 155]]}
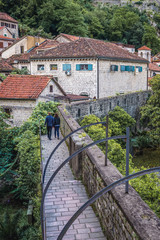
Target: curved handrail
{"points": [[100, 193], [78, 129], [66, 161]]}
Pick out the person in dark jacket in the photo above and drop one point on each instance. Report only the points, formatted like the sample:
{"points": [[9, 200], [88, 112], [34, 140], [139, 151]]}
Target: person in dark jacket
{"points": [[56, 125], [49, 121]]}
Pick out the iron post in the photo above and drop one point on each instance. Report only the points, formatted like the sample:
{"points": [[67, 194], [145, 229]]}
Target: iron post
{"points": [[127, 156], [107, 140]]}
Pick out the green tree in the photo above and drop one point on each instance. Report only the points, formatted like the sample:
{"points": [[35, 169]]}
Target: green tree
{"points": [[150, 38], [72, 20], [151, 112]]}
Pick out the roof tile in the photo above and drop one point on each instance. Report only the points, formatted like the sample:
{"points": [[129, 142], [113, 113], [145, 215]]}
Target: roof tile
{"points": [[5, 16], [23, 86], [87, 47]]}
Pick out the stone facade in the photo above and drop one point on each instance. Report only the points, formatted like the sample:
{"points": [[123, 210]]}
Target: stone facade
{"points": [[123, 216], [78, 82], [20, 110], [13, 27], [116, 82], [99, 82]]}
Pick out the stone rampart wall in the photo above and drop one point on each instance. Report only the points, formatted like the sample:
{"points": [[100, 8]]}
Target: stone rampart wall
{"points": [[100, 107], [123, 216]]}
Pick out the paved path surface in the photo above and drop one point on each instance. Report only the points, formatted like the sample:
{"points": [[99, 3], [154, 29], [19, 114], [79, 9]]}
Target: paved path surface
{"points": [[64, 198]]}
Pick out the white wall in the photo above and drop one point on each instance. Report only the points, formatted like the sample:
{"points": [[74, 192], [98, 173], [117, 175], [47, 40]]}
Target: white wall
{"points": [[112, 83], [15, 48], [78, 82], [20, 109]]}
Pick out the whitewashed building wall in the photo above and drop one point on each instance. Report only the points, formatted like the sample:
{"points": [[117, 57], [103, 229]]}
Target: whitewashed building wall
{"points": [[117, 82], [110, 83], [78, 82]]}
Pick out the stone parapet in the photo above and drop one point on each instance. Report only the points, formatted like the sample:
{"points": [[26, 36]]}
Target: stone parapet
{"points": [[123, 216]]}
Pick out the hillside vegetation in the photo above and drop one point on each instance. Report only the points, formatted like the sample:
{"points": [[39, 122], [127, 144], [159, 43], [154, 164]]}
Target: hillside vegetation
{"points": [[80, 17]]}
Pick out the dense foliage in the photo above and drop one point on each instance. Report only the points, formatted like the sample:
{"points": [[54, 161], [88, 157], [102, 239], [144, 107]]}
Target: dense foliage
{"points": [[151, 112], [25, 186], [81, 17], [147, 186]]}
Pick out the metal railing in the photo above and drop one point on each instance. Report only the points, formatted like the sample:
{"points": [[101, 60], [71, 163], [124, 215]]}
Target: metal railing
{"points": [[75, 154], [100, 193]]}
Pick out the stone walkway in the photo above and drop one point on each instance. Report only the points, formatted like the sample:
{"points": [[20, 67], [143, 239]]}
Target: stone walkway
{"points": [[64, 198]]}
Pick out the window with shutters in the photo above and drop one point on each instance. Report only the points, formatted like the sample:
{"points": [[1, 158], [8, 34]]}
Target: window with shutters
{"points": [[127, 68], [66, 67], [84, 67], [53, 67], [138, 69], [1, 44], [40, 67], [114, 68]]}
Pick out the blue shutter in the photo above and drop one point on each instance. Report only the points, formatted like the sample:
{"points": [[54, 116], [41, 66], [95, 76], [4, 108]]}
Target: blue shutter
{"points": [[77, 67], [90, 67], [133, 68], [140, 69], [116, 67], [122, 68], [66, 67], [127, 68]]}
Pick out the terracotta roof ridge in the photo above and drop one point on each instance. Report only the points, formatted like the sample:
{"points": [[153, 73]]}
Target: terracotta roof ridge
{"points": [[90, 46], [59, 86]]}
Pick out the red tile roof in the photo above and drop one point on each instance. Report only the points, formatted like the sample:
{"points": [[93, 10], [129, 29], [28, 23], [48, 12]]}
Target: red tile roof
{"points": [[87, 47], [70, 37], [4, 66], [154, 67], [6, 17], [144, 48], [7, 38], [23, 86], [74, 97], [2, 27]]}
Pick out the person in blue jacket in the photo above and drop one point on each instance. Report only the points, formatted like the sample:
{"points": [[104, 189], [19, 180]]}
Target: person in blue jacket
{"points": [[49, 121], [56, 125]]}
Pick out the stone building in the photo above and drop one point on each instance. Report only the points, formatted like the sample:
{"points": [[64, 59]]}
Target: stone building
{"points": [[19, 94], [22, 45], [10, 23], [145, 52], [6, 38], [92, 68]]}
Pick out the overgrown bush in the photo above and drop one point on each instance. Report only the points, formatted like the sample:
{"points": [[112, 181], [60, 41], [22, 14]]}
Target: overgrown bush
{"points": [[147, 186], [28, 147]]}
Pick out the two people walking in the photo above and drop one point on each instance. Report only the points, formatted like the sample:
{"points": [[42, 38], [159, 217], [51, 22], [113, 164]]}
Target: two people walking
{"points": [[52, 122]]}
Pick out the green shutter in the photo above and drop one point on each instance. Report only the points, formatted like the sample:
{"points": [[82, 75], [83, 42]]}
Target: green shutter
{"points": [[77, 67], [116, 68], [90, 67], [140, 69], [133, 68]]}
